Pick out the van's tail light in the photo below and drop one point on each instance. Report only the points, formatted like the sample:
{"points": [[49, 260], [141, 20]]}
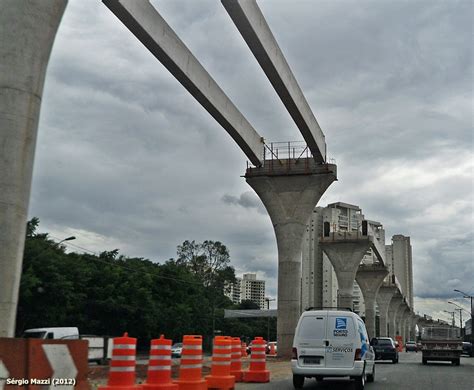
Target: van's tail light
{"points": [[295, 354], [358, 354]]}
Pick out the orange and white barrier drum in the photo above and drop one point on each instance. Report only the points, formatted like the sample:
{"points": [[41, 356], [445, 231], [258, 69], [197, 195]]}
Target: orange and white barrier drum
{"points": [[236, 360], [122, 365], [190, 369], [220, 377], [159, 366], [257, 370]]}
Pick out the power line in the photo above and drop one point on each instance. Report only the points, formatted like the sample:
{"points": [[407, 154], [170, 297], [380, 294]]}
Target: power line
{"points": [[97, 259]]}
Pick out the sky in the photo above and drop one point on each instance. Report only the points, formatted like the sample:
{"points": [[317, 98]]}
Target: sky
{"points": [[127, 159]]}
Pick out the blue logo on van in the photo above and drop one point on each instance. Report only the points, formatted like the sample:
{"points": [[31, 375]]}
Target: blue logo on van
{"points": [[341, 323]]}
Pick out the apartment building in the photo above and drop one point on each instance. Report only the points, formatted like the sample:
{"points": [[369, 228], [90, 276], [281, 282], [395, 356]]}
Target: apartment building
{"points": [[248, 287]]}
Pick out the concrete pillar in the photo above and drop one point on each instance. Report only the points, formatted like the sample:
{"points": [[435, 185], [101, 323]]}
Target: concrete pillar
{"points": [[383, 298], [345, 257], [415, 325], [370, 278], [290, 200], [412, 326], [395, 303], [400, 316], [27, 31], [406, 325]]}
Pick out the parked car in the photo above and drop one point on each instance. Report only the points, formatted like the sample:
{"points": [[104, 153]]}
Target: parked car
{"points": [[467, 349], [176, 350], [411, 346], [249, 348], [385, 349], [332, 343]]}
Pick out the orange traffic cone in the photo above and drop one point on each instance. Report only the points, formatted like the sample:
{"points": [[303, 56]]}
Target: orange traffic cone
{"points": [[244, 350], [122, 365], [159, 366], [257, 371], [191, 365], [220, 377], [236, 362], [272, 352]]}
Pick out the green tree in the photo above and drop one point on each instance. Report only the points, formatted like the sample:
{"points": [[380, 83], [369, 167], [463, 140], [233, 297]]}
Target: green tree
{"points": [[109, 293], [210, 262]]}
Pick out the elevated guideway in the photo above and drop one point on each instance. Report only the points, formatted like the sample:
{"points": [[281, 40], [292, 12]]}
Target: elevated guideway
{"points": [[290, 189], [144, 21], [253, 27]]}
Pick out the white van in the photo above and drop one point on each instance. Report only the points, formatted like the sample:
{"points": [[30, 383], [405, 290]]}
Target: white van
{"points": [[100, 347], [332, 343], [51, 333]]}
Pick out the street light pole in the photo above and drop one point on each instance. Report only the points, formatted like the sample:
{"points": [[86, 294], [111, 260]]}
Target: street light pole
{"points": [[268, 318], [66, 239], [460, 308], [452, 313], [468, 296]]}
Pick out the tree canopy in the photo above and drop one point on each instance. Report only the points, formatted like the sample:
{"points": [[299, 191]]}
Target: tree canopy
{"points": [[109, 293]]}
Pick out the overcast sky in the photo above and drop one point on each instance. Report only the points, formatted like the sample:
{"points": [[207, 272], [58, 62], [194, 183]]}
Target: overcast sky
{"points": [[127, 159]]}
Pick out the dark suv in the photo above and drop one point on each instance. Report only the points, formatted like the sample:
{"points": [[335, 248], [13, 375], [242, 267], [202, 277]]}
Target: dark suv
{"points": [[384, 348], [467, 349]]}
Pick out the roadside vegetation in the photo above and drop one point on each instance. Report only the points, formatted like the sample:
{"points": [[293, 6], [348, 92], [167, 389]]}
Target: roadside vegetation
{"points": [[108, 293]]}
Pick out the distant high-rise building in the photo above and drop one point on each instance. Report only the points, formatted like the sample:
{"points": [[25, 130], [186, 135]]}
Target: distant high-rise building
{"points": [[233, 291], [253, 290], [319, 282], [247, 288]]}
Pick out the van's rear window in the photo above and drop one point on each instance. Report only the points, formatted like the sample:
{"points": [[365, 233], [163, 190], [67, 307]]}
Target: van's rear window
{"points": [[384, 342], [33, 335], [312, 328]]}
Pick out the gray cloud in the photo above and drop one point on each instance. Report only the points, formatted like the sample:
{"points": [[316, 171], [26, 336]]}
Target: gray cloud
{"points": [[247, 199]]}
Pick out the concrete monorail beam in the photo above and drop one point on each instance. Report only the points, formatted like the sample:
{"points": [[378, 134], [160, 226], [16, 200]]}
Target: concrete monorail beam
{"points": [[251, 23], [144, 21]]}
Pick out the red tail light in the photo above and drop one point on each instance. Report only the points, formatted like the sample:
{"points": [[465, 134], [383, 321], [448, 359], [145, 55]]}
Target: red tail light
{"points": [[358, 354], [295, 354]]}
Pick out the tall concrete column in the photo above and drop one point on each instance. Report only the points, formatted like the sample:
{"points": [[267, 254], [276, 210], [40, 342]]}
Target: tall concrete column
{"points": [[395, 303], [345, 257], [27, 31], [415, 325], [383, 298], [370, 278], [290, 198], [412, 323], [406, 325], [400, 320]]}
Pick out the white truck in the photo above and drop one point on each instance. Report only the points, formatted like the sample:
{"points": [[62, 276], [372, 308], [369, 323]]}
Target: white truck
{"points": [[441, 344], [100, 347]]}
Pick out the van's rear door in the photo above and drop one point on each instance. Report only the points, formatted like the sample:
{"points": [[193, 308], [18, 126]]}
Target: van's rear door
{"points": [[342, 337], [312, 340]]}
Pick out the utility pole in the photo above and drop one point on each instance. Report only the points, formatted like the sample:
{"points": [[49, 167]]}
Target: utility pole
{"points": [[460, 318], [460, 308], [468, 296], [452, 313], [268, 318]]}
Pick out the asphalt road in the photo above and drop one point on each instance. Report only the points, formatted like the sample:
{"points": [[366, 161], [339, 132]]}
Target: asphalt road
{"points": [[409, 373]]}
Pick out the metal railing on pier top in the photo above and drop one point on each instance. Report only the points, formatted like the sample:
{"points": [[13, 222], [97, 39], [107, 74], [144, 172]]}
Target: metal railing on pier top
{"points": [[291, 154]]}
